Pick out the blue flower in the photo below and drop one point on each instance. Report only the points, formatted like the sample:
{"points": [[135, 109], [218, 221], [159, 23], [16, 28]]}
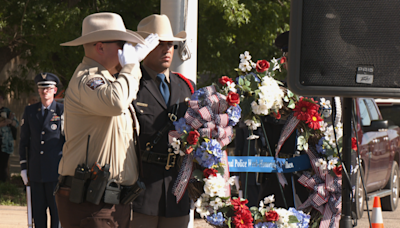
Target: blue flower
{"points": [[265, 225], [303, 218], [255, 77], [234, 113], [181, 126], [320, 146], [198, 94], [216, 219], [208, 153]]}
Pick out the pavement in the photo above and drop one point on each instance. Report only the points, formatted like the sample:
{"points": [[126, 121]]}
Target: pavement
{"points": [[16, 217]]}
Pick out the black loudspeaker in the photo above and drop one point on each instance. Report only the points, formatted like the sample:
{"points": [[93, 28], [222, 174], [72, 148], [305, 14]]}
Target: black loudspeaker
{"points": [[347, 48]]}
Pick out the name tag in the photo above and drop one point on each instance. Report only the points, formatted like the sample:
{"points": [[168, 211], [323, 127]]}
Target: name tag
{"points": [[142, 104]]}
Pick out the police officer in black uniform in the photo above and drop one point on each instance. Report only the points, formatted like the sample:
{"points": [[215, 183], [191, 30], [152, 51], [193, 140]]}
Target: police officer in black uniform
{"points": [[40, 149]]}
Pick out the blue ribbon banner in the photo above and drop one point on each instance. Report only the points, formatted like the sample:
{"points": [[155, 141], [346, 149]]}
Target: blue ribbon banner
{"points": [[252, 164]]}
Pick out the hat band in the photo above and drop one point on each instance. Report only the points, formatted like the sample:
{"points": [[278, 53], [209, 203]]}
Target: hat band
{"points": [[45, 84]]}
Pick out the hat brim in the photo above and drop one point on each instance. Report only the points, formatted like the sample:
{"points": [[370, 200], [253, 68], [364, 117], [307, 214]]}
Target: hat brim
{"points": [[106, 35], [181, 36]]}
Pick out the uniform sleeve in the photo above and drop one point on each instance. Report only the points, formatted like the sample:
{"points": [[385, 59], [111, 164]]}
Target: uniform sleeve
{"points": [[101, 97], [25, 136]]}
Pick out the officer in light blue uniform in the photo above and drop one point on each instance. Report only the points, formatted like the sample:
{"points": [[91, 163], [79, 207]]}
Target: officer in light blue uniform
{"points": [[40, 148]]}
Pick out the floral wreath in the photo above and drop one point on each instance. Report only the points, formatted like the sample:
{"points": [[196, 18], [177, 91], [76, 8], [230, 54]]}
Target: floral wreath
{"points": [[202, 135]]}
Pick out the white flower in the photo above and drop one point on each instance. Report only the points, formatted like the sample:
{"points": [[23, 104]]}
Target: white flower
{"points": [[323, 126], [251, 137], [215, 185], [321, 163], [302, 143], [176, 144], [261, 206], [216, 203], [325, 103], [231, 86], [332, 163], [245, 66], [269, 199], [252, 125], [283, 220], [253, 64], [245, 57], [231, 180], [203, 212], [276, 64]]}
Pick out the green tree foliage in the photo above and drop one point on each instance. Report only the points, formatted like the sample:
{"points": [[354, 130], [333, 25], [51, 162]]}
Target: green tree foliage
{"points": [[228, 28], [33, 30]]}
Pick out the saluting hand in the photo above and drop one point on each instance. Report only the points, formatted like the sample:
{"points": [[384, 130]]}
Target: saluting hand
{"points": [[134, 54]]}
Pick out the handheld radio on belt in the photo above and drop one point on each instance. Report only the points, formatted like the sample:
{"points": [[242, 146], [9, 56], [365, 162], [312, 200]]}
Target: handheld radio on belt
{"points": [[79, 181]]}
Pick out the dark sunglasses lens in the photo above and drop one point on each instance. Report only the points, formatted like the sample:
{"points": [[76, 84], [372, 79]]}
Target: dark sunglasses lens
{"points": [[121, 43]]}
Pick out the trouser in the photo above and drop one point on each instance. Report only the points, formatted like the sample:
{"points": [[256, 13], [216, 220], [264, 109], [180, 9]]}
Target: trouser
{"points": [[4, 166], [42, 198], [149, 221], [85, 215]]}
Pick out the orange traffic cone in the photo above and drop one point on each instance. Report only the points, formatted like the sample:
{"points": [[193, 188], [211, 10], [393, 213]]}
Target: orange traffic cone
{"points": [[376, 220]]}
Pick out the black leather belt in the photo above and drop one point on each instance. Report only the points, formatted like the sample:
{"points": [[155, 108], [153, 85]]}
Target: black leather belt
{"points": [[167, 160]]}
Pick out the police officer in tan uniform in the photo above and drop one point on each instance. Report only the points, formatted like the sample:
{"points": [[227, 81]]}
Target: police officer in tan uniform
{"points": [[97, 104]]}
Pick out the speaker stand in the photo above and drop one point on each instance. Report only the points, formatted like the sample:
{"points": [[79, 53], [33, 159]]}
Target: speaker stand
{"points": [[345, 220]]}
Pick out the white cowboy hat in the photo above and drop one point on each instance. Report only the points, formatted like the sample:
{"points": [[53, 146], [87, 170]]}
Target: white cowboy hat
{"points": [[104, 27], [161, 25]]}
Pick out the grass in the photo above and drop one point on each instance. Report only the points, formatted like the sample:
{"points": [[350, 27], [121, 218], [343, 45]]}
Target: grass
{"points": [[12, 192]]}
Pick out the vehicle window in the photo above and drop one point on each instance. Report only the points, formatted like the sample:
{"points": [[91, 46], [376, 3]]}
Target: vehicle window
{"points": [[391, 113], [372, 109], [365, 119]]}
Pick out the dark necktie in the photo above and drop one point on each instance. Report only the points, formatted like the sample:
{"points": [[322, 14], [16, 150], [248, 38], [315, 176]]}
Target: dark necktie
{"points": [[164, 88], [46, 111]]}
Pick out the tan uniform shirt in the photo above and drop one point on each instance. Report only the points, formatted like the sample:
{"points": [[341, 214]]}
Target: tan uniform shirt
{"points": [[97, 104]]}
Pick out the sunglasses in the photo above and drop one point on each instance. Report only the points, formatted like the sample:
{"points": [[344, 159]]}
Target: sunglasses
{"points": [[119, 42]]}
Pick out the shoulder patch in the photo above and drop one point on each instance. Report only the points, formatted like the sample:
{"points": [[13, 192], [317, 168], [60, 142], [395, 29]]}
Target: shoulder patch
{"points": [[95, 82]]}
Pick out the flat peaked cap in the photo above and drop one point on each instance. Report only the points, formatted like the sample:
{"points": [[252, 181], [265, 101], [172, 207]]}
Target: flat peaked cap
{"points": [[161, 25], [104, 27], [44, 80], [282, 41]]}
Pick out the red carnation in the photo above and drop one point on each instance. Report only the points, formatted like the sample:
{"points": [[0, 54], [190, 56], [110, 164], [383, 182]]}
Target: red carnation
{"points": [[233, 98], [243, 220], [305, 109], [283, 60], [271, 216], [193, 137], [354, 143], [224, 79], [338, 170], [314, 121], [208, 172], [262, 66], [239, 205]]}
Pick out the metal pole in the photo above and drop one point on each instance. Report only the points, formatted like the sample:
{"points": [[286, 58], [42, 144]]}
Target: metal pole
{"points": [[345, 221], [29, 205], [183, 16]]}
